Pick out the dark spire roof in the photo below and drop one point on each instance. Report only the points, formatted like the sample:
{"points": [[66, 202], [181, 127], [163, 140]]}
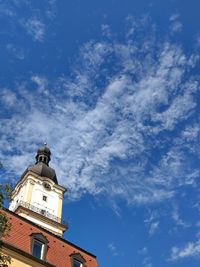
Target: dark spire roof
{"points": [[43, 154], [41, 166]]}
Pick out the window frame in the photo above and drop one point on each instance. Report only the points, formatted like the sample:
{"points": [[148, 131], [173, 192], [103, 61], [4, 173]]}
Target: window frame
{"points": [[77, 257], [79, 262], [35, 241], [44, 198], [41, 239]]}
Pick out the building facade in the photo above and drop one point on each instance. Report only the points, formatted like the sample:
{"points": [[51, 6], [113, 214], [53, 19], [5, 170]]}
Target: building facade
{"points": [[37, 228]]}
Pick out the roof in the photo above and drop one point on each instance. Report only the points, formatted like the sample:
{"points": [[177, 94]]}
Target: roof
{"points": [[59, 249], [43, 170]]}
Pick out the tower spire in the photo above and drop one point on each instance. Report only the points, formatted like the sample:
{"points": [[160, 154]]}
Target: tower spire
{"points": [[43, 154], [38, 197]]}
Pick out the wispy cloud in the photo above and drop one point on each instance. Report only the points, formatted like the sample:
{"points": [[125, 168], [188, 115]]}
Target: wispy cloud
{"points": [[119, 126], [147, 262], [143, 251], [147, 259], [178, 220], [154, 226], [6, 9], [106, 30], [8, 98], [191, 249], [113, 249], [35, 28], [176, 25], [42, 83], [32, 18], [152, 223], [17, 52]]}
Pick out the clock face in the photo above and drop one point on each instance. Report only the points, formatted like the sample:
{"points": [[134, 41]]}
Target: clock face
{"points": [[47, 186]]}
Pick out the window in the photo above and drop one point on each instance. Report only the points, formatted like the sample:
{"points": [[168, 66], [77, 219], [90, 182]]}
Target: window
{"points": [[77, 263], [44, 198], [43, 212], [38, 249], [77, 260], [47, 186], [39, 246]]}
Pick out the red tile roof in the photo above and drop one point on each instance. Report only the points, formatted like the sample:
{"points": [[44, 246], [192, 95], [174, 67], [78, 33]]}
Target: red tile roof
{"points": [[59, 249]]}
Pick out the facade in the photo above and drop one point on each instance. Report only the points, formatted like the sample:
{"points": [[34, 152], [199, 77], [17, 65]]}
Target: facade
{"points": [[35, 212]]}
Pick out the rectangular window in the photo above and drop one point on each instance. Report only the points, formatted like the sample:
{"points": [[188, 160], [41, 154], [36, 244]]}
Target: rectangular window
{"points": [[77, 263], [43, 212], [38, 248], [44, 198]]}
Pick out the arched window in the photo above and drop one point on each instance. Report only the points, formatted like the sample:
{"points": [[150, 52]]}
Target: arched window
{"points": [[39, 246]]}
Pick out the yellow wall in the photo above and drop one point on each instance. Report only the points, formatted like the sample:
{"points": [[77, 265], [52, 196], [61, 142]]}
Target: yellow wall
{"points": [[17, 260], [59, 207], [29, 193]]}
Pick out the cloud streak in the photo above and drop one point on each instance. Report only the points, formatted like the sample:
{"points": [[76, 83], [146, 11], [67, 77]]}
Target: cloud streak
{"points": [[192, 249], [118, 127], [35, 28]]}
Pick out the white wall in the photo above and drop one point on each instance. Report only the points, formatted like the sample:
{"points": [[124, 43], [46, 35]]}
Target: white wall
{"points": [[36, 198], [51, 205], [17, 198]]}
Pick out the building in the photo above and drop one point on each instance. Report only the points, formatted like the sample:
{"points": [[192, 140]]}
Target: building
{"points": [[35, 212]]}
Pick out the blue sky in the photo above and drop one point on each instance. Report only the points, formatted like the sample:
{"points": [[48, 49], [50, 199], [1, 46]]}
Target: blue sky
{"points": [[113, 87]]}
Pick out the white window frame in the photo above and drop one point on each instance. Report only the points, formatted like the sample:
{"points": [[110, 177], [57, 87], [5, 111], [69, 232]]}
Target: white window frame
{"points": [[77, 261], [42, 248]]}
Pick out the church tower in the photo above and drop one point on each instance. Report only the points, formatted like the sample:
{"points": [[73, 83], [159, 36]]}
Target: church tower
{"points": [[38, 197]]}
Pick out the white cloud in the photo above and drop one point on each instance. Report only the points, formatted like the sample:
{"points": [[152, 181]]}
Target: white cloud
{"points": [[113, 249], [105, 28], [176, 25], [41, 82], [8, 98], [16, 51], [147, 262], [178, 220], [147, 259], [114, 127], [143, 251], [152, 223], [191, 249], [174, 17], [153, 228], [35, 28], [6, 10]]}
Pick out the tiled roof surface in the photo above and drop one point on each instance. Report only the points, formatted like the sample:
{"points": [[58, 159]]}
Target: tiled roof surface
{"points": [[59, 250]]}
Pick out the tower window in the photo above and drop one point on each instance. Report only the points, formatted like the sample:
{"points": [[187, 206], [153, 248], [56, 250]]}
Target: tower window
{"points": [[44, 198], [43, 212]]}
